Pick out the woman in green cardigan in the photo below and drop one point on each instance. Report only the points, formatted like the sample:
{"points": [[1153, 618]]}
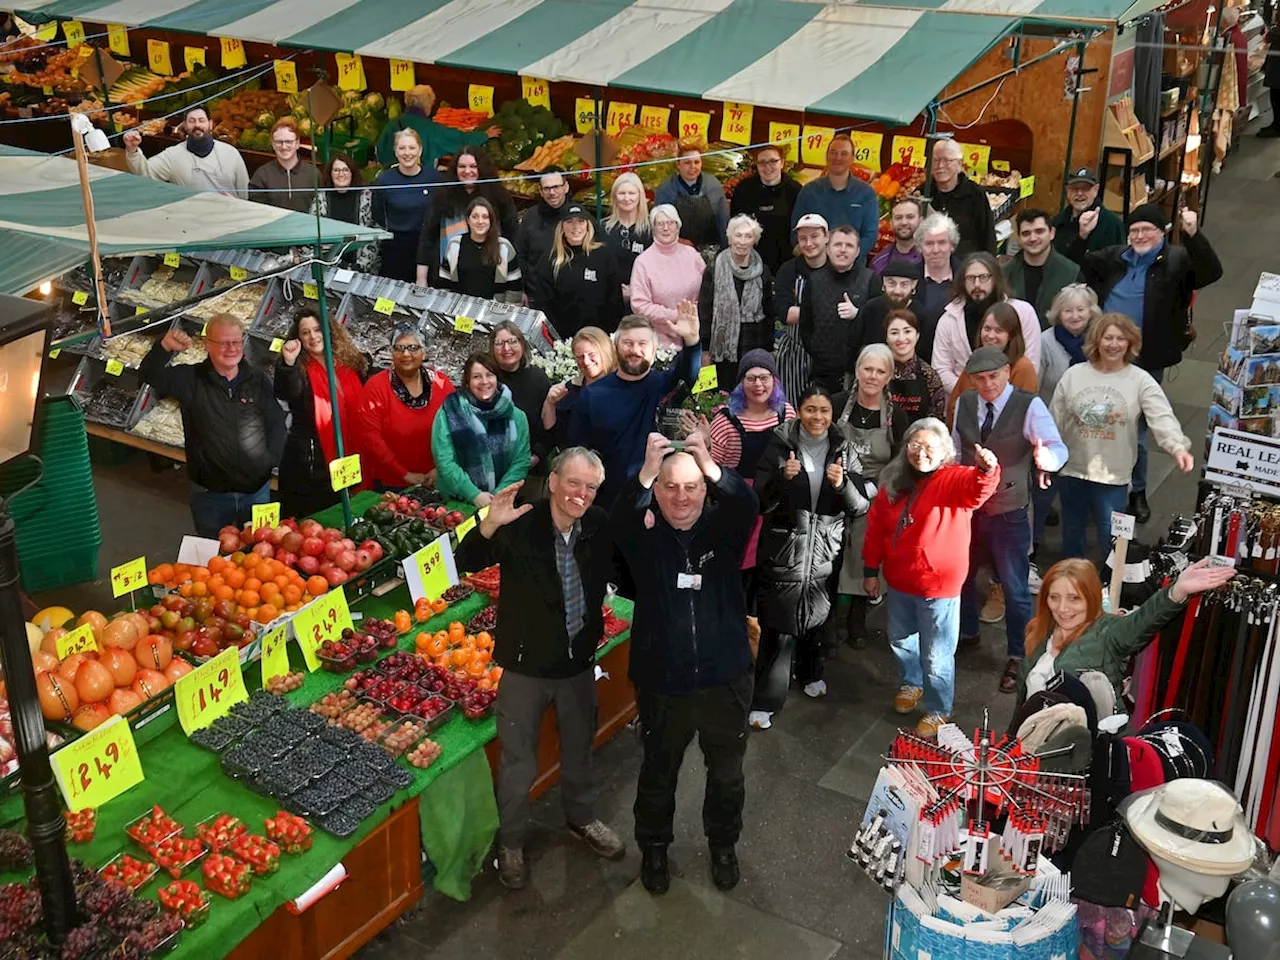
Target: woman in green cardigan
{"points": [[1070, 633], [437, 140], [480, 440]]}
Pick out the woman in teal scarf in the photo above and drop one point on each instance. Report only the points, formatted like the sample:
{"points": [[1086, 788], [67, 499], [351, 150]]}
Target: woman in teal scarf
{"points": [[480, 440]]}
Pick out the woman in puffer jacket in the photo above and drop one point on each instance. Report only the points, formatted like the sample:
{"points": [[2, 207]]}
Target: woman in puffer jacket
{"points": [[808, 480]]}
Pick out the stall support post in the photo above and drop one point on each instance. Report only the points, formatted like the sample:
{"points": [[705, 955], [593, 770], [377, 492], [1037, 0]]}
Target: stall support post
{"points": [[930, 138], [1208, 103], [45, 824], [599, 134], [1075, 111]]}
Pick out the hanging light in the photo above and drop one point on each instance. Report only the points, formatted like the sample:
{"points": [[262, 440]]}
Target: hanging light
{"points": [[46, 288]]}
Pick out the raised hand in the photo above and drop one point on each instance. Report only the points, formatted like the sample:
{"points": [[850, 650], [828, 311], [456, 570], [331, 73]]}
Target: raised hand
{"points": [[791, 469], [1198, 578], [483, 499], [1190, 222], [503, 509], [696, 447], [175, 341], [835, 474], [986, 459], [846, 309], [290, 351], [132, 140], [1088, 220], [655, 449], [686, 325]]}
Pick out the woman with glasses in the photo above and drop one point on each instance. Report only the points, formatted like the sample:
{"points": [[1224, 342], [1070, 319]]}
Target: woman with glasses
{"points": [[595, 357], [528, 383], [1001, 328], [482, 262], [735, 300], [348, 201], [471, 175], [397, 410], [401, 198], [579, 284], [769, 195], [302, 382], [666, 275], [481, 438], [918, 530], [626, 230]]}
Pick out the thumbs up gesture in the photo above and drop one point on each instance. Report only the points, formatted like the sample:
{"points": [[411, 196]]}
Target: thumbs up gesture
{"points": [[846, 309], [1044, 460], [986, 459], [791, 469]]}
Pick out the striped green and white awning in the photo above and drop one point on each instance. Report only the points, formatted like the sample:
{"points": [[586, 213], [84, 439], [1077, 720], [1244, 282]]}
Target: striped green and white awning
{"points": [[883, 61], [43, 231]]}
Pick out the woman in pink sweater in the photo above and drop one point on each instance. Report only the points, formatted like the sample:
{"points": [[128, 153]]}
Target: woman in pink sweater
{"points": [[665, 274]]}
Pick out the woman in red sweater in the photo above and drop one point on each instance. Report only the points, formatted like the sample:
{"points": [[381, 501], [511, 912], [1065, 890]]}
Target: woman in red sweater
{"points": [[918, 527], [397, 410]]}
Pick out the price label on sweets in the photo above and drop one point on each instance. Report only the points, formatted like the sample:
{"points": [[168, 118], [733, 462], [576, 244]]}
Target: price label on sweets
{"points": [[99, 766], [210, 691]]}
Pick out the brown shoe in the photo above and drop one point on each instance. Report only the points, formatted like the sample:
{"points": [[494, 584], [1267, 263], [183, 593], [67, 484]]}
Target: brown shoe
{"points": [[1009, 681], [513, 872], [993, 609], [929, 724], [907, 698]]}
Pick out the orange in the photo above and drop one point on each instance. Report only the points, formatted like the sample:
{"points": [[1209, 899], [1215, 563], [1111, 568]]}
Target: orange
{"points": [[484, 656], [485, 683], [458, 656], [269, 590], [217, 564], [273, 568], [435, 646], [266, 613], [200, 573], [248, 598], [199, 589], [235, 578], [495, 674], [475, 669], [250, 560], [292, 593], [441, 661], [421, 642], [461, 672], [187, 589], [180, 568], [281, 580], [251, 612], [317, 585], [154, 577], [484, 640], [224, 593], [456, 631], [251, 583]]}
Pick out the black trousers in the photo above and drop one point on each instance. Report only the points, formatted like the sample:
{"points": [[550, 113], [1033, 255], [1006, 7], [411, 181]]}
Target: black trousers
{"points": [[773, 670], [718, 715]]}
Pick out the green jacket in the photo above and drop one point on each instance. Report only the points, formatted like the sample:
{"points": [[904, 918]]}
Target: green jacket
{"points": [[452, 481], [1109, 231], [1108, 643], [437, 140], [1058, 272]]}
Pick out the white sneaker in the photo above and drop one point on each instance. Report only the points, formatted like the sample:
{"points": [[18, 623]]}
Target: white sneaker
{"points": [[876, 600], [760, 719], [815, 689], [1033, 579]]}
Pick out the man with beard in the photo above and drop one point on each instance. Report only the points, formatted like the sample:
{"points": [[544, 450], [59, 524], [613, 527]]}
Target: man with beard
{"points": [[937, 237], [1037, 272], [905, 216], [788, 290], [980, 284], [615, 415], [1083, 195], [961, 199], [898, 286], [199, 162], [831, 303]]}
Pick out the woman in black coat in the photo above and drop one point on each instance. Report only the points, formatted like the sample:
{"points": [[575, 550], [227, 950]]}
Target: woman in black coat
{"points": [[579, 284], [808, 481]]}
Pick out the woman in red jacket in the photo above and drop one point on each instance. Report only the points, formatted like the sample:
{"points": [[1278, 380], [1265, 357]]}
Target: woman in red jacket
{"points": [[397, 410], [919, 528]]}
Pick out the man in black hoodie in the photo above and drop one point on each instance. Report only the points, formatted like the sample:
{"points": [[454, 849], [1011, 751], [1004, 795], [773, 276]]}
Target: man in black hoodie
{"points": [[831, 303], [898, 285], [768, 195], [690, 658], [962, 200], [538, 226]]}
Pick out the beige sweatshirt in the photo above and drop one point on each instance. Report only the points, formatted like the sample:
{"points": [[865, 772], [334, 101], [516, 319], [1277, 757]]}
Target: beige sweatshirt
{"points": [[223, 170], [1097, 414]]}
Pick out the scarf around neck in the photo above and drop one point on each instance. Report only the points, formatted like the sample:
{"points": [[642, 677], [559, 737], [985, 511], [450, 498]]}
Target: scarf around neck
{"points": [[201, 147], [483, 435], [1070, 342], [402, 392], [730, 312]]}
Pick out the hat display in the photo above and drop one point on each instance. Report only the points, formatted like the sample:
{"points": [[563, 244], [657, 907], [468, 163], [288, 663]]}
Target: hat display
{"points": [[901, 268], [1069, 686], [1194, 824], [1068, 749], [985, 359], [811, 220], [1031, 706], [1103, 693], [1109, 868], [1040, 727], [1082, 175], [757, 358], [1151, 213]]}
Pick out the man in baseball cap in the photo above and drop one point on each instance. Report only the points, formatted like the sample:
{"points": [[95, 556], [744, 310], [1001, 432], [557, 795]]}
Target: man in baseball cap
{"points": [[1084, 194]]}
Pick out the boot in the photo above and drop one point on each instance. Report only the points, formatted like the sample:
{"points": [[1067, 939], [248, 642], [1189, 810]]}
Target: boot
{"points": [[1139, 507], [655, 873]]}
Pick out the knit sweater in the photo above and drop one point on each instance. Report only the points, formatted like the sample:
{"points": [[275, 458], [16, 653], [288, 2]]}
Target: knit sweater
{"points": [[662, 276], [223, 170], [1097, 414], [394, 439], [402, 206]]}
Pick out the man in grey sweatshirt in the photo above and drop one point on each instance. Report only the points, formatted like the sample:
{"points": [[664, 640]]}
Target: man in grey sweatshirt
{"points": [[200, 162]]}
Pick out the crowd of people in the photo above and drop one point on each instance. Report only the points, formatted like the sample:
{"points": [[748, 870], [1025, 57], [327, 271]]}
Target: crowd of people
{"points": [[893, 426]]}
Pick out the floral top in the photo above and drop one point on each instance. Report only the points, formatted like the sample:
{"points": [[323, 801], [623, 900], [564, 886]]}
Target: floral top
{"points": [[917, 390]]}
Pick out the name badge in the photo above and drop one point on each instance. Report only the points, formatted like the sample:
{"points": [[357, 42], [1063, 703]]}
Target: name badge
{"points": [[689, 581], [588, 274], [637, 248]]}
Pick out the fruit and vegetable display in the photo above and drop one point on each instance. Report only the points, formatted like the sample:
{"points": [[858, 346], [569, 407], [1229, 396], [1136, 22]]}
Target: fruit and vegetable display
{"points": [[361, 116], [460, 651], [524, 128], [460, 118], [245, 118], [129, 871], [186, 900], [153, 827], [262, 856], [290, 833], [218, 831], [226, 876], [316, 555], [285, 683], [341, 656], [488, 580]]}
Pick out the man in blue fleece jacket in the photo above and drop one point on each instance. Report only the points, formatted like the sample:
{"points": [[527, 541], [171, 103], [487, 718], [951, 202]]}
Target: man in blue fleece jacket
{"points": [[615, 415]]}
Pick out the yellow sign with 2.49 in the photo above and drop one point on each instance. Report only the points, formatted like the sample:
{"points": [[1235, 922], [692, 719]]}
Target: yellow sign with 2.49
{"points": [[210, 691], [99, 766], [323, 619]]}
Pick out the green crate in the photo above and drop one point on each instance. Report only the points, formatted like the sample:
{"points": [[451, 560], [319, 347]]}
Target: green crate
{"points": [[71, 564]]}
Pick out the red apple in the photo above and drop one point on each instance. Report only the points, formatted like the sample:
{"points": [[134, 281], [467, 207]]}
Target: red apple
{"points": [[308, 564], [364, 560], [312, 546]]}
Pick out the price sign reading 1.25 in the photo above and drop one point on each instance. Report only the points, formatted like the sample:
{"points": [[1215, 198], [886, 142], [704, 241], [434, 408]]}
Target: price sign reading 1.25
{"points": [[210, 691], [655, 118], [99, 766], [322, 619]]}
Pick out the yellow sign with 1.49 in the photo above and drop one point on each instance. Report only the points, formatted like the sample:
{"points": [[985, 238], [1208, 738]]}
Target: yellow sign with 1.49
{"points": [[210, 691], [99, 766]]}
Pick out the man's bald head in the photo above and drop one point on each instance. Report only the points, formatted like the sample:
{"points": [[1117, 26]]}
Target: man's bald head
{"points": [[681, 490]]}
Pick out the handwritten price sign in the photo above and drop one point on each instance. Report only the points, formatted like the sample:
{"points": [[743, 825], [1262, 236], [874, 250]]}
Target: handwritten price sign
{"points": [[115, 367], [1026, 187], [977, 158], [310, 292], [344, 472], [463, 324], [172, 260], [80, 298], [402, 75], [466, 526], [707, 379], [913, 151], [480, 98], [73, 30], [536, 91], [866, 149], [813, 145], [240, 273], [232, 53], [384, 306], [78, 640], [431, 571], [785, 136], [158, 58], [118, 39], [324, 618], [128, 577], [99, 766], [275, 654], [193, 57], [210, 691], [286, 76], [657, 119], [350, 71], [693, 125], [277, 345], [584, 114], [266, 515], [620, 116]]}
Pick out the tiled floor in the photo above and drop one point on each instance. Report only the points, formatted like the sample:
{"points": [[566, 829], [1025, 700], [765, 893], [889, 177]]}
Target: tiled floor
{"points": [[808, 777]]}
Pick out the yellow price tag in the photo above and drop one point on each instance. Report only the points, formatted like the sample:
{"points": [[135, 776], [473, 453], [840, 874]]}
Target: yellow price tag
{"points": [[620, 116], [266, 515], [785, 136], [402, 75], [310, 292], [693, 125], [128, 577], [286, 76], [912, 151], [324, 618], [813, 145], [115, 368], [47, 31], [655, 118], [977, 158], [1000, 166], [99, 766], [80, 298], [277, 345], [158, 58], [584, 114], [118, 39], [350, 71], [172, 260], [344, 472], [77, 641], [432, 569], [275, 653], [480, 99], [47, 90], [193, 57], [141, 312], [1026, 187], [707, 379], [204, 328], [735, 124], [536, 91], [239, 273], [866, 149], [73, 30], [232, 53], [466, 526], [463, 324], [54, 353], [383, 305], [210, 691]]}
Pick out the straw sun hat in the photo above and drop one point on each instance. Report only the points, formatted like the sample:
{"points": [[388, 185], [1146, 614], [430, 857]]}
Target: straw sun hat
{"points": [[1195, 824]]}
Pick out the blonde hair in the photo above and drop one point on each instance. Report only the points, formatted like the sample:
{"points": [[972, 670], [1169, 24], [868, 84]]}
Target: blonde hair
{"points": [[1073, 292], [642, 211], [560, 252], [422, 96], [602, 342], [406, 132], [1100, 325]]}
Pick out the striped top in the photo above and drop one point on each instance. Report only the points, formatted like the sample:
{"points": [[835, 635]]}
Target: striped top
{"points": [[726, 444]]}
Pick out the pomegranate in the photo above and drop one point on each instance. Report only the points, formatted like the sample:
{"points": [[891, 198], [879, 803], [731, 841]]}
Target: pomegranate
{"points": [[312, 546], [91, 715], [58, 697]]}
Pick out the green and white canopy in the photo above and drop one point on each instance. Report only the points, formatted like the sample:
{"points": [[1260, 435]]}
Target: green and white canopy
{"points": [[877, 61], [43, 231]]}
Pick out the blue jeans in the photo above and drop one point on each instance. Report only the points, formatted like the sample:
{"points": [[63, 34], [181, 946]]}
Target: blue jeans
{"points": [[1080, 498], [212, 510], [1041, 504], [1002, 541], [1138, 482], [923, 634]]}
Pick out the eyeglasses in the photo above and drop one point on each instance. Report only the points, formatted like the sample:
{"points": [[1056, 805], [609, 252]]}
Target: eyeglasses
{"points": [[506, 344], [939, 161], [769, 163], [553, 189], [758, 378], [284, 143], [977, 278], [917, 447], [407, 348]]}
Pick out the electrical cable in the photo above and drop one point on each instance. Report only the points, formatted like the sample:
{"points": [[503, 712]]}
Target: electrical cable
{"points": [[6, 500]]}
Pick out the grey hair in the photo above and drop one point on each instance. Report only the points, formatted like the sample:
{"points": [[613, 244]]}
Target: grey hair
{"points": [[876, 351], [745, 220], [898, 476], [584, 453], [937, 222], [1074, 291], [950, 147], [408, 330], [667, 210]]}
